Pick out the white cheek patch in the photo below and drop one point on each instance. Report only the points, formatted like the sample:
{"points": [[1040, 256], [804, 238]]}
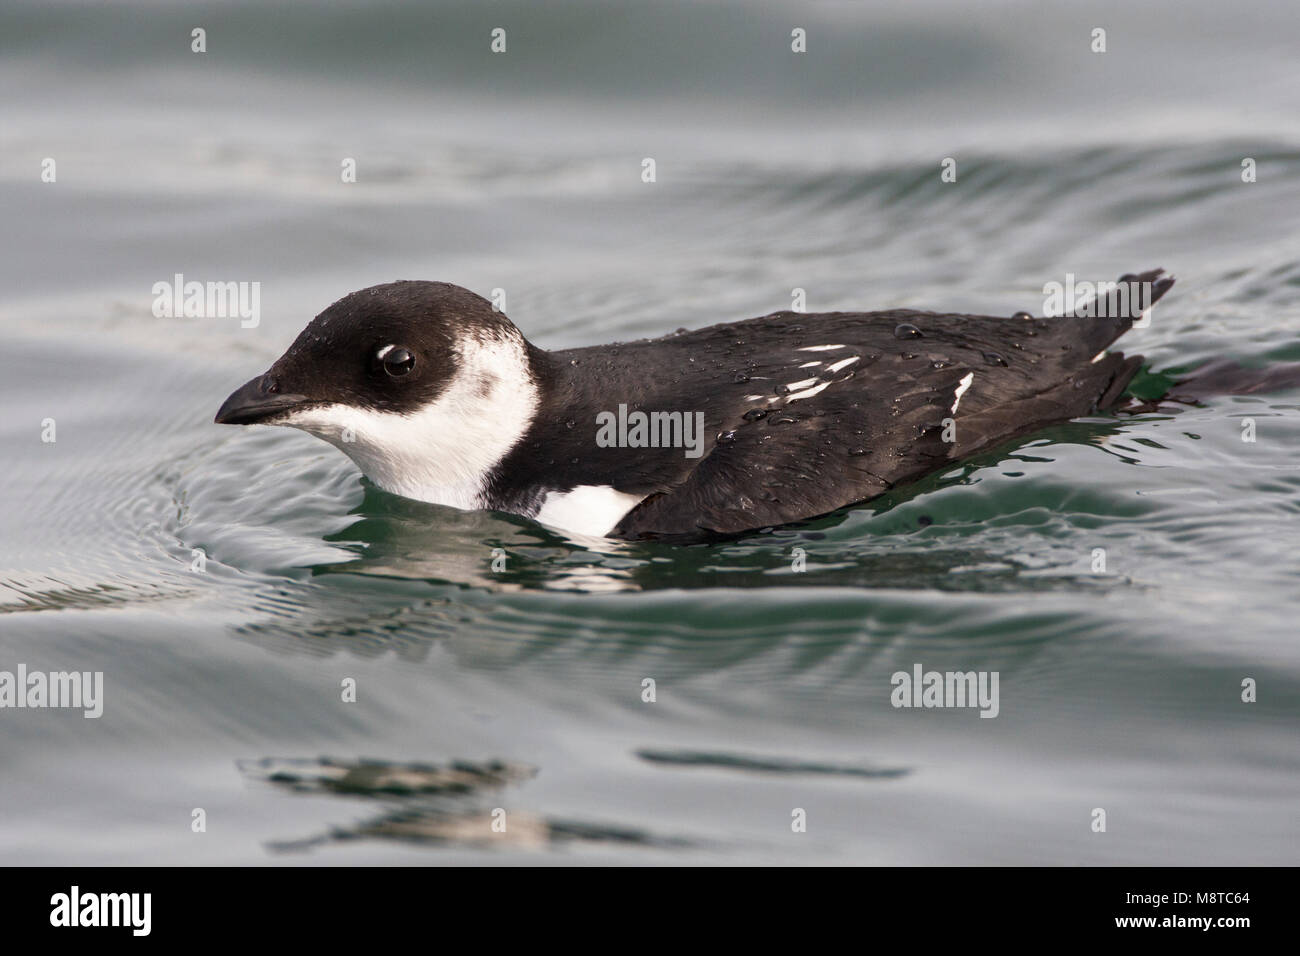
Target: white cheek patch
{"points": [[587, 509], [445, 451]]}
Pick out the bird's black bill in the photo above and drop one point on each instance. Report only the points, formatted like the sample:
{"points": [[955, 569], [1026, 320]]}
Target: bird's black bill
{"points": [[254, 402]]}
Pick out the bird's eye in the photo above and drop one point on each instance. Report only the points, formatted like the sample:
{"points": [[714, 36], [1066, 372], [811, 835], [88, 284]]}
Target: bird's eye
{"points": [[397, 360]]}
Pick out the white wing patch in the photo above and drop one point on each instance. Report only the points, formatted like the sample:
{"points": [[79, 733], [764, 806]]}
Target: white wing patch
{"points": [[808, 387], [809, 392], [961, 390], [587, 509]]}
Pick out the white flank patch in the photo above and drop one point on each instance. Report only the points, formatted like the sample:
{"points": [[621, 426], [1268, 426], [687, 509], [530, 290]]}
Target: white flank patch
{"points": [[802, 383], [810, 364], [842, 363], [444, 452], [587, 509], [961, 390], [818, 348]]}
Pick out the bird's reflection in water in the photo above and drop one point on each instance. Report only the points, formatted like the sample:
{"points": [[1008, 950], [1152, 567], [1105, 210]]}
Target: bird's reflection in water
{"points": [[440, 806], [400, 539], [410, 540]]}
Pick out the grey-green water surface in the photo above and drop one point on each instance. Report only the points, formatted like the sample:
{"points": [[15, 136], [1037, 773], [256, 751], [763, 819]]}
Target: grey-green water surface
{"points": [[522, 689]]}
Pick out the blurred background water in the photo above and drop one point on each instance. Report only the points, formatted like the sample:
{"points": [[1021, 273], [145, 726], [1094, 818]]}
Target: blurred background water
{"points": [[522, 689]]}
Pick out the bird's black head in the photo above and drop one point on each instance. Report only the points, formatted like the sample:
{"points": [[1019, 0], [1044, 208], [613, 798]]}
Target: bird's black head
{"points": [[389, 348], [422, 384]]}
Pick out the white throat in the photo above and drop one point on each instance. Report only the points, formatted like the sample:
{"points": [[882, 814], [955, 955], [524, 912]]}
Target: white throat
{"points": [[445, 451]]}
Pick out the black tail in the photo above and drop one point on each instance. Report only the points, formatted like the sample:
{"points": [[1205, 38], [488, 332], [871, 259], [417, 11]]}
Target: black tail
{"points": [[1143, 291], [1113, 312], [1114, 309]]}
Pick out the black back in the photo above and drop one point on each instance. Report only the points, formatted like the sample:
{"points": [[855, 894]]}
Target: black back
{"points": [[879, 423]]}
